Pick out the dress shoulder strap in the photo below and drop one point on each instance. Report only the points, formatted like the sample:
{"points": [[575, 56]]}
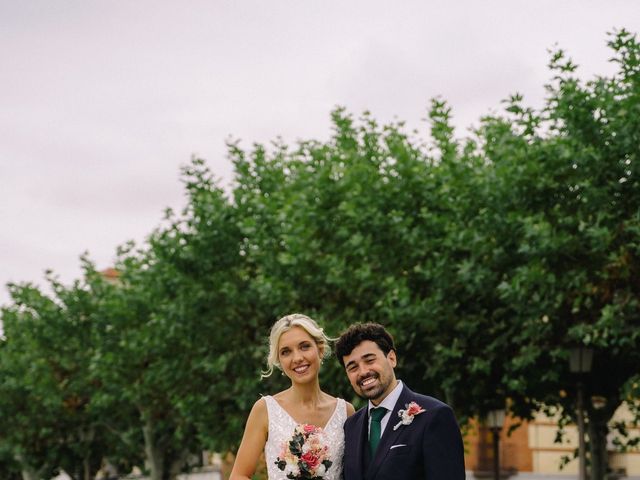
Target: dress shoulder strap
{"points": [[342, 409]]}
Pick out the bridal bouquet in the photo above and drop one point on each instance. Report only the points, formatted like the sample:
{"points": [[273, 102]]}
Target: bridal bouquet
{"points": [[305, 456]]}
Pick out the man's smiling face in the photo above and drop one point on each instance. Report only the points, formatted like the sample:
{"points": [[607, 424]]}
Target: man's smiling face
{"points": [[370, 371]]}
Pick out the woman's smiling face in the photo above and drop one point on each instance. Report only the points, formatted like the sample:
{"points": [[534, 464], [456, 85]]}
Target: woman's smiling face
{"points": [[299, 355]]}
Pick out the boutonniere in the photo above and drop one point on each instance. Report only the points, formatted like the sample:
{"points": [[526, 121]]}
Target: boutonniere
{"points": [[407, 415]]}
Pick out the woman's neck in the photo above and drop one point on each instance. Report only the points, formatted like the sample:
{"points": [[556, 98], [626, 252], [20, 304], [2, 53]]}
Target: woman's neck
{"points": [[307, 394]]}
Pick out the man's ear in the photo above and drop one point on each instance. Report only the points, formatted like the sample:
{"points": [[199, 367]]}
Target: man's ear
{"points": [[392, 358]]}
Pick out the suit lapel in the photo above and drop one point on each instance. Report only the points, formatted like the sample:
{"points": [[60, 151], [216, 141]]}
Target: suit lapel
{"points": [[361, 436], [390, 435]]}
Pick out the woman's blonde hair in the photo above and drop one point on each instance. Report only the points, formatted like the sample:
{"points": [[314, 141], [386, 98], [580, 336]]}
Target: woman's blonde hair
{"points": [[285, 324]]}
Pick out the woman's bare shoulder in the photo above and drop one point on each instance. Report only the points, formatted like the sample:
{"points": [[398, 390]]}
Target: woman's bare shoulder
{"points": [[350, 409], [259, 410], [334, 401]]}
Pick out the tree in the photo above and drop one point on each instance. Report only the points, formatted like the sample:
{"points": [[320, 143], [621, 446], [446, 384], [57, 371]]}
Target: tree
{"points": [[561, 238], [179, 356], [490, 258], [48, 389], [487, 258], [355, 228]]}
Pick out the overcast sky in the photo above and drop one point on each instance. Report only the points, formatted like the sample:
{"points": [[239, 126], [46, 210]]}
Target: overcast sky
{"points": [[101, 102]]}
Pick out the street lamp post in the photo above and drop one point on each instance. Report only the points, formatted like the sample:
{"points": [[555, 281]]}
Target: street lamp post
{"points": [[495, 421], [580, 363]]}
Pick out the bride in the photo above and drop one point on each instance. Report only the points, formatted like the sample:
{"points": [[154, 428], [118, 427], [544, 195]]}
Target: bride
{"points": [[301, 414]]}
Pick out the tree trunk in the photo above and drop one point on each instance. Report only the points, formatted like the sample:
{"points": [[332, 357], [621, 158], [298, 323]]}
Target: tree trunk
{"points": [[174, 469], [155, 454], [29, 474], [165, 460], [27, 471], [88, 470], [598, 429], [84, 468], [87, 474]]}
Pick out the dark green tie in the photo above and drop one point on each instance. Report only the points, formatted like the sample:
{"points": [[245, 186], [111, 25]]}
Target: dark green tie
{"points": [[375, 430]]}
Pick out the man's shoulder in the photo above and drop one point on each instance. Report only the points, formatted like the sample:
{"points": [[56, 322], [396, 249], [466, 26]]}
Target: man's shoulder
{"points": [[353, 419], [425, 401]]}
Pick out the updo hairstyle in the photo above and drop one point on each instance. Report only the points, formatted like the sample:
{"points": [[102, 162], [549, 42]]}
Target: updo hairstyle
{"points": [[285, 324]]}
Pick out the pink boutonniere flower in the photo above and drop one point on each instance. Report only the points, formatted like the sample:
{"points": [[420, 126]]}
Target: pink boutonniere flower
{"points": [[407, 415]]}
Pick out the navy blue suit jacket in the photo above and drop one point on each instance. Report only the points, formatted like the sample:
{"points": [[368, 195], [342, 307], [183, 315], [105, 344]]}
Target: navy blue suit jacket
{"points": [[430, 448]]}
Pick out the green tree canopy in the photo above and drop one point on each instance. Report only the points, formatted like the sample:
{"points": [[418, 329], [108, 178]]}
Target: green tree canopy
{"points": [[487, 257]]}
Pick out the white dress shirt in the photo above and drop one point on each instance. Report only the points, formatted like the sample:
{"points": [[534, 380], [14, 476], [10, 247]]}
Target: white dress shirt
{"points": [[389, 403]]}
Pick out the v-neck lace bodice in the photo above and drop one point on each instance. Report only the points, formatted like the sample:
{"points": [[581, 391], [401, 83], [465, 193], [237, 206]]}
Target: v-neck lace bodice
{"points": [[281, 427]]}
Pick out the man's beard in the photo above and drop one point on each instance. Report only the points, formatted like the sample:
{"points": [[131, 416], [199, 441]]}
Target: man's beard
{"points": [[375, 393]]}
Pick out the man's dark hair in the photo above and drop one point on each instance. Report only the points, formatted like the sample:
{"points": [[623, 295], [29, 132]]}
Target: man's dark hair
{"points": [[358, 333]]}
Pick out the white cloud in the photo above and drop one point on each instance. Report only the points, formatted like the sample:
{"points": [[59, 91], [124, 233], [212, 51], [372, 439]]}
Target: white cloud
{"points": [[103, 101]]}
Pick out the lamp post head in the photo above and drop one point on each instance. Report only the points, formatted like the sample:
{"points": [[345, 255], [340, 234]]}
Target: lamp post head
{"points": [[495, 419], [580, 359]]}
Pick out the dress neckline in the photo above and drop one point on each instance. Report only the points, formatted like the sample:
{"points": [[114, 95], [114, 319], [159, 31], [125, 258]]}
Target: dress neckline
{"points": [[335, 411]]}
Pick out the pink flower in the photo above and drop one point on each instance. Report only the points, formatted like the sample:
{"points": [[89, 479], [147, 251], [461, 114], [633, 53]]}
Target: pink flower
{"points": [[407, 415], [414, 409], [311, 459], [306, 455]]}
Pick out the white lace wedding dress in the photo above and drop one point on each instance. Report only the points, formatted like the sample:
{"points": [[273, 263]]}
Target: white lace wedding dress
{"points": [[281, 427]]}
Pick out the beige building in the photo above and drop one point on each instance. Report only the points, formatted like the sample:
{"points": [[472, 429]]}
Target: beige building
{"points": [[531, 451]]}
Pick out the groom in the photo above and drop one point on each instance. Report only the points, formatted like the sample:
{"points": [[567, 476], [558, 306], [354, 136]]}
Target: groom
{"points": [[399, 435]]}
